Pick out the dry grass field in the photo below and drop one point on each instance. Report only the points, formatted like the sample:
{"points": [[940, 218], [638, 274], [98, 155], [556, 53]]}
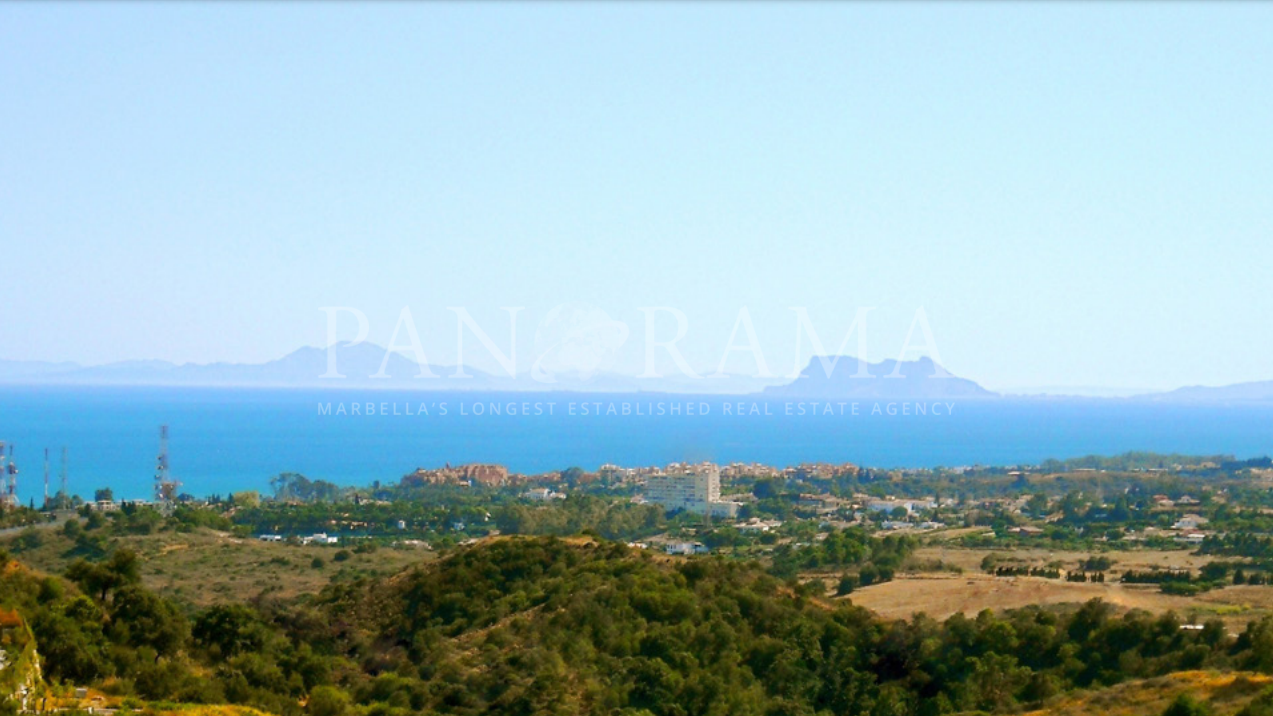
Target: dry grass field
{"points": [[205, 567], [208, 567], [1224, 694]]}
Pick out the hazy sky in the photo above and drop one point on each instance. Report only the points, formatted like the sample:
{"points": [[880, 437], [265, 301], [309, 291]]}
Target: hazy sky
{"points": [[1075, 193]]}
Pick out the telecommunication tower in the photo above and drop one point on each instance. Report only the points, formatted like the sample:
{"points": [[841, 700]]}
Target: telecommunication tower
{"points": [[65, 495], [11, 487], [165, 486]]}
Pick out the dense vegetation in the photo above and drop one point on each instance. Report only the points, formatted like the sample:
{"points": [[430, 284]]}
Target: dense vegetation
{"points": [[863, 558], [547, 627], [538, 624], [550, 626]]}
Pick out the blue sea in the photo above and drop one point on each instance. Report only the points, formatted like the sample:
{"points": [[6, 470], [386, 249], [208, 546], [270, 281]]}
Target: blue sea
{"points": [[224, 440]]}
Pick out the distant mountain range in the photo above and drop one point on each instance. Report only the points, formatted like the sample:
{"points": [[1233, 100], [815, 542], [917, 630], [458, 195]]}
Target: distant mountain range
{"points": [[889, 380], [356, 363], [303, 367]]}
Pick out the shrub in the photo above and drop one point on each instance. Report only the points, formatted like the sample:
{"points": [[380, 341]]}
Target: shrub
{"points": [[847, 583], [1186, 705]]}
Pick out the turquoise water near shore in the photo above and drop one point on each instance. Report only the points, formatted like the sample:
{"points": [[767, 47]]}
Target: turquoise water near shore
{"points": [[223, 440]]}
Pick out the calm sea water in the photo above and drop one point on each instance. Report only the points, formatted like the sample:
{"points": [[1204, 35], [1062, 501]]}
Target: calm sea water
{"points": [[224, 440]]}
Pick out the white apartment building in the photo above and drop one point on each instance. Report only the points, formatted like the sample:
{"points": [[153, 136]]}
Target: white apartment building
{"points": [[692, 488]]}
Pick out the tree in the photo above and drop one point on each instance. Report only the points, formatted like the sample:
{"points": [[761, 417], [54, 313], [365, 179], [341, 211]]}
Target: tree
{"points": [[125, 566], [1257, 641], [100, 579], [72, 529], [847, 583], [141, 618], [288, 486], [295, 487], [1072, 506], [1096, 563], [327, 701], [1214, 571], [995, 680], [1121, 511], [72, 643], [766, 488], [572, 475], [104, 494], [1037, 505], [868, 575], [163, 680], [230, 628], [247, 498]]}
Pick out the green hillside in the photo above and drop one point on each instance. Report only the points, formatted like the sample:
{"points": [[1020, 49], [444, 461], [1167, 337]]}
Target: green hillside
{"points": [[549, 626], [579, 626]]}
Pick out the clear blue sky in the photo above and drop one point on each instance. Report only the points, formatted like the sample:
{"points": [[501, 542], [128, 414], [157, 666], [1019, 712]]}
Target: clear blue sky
{"points": [[1076, 193]]}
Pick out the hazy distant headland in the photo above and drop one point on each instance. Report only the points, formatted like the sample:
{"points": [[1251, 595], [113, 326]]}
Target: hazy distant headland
{"points": [[845, 377], [368, 366]]}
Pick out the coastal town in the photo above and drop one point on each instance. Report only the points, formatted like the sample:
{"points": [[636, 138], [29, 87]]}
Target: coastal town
{"points": [[1171, 505], [1014, 519]]}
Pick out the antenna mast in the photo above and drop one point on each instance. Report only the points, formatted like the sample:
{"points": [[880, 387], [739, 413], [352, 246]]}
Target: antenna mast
{"points": [[66, 496], [46, 478], [11, 491], [165, 486]]}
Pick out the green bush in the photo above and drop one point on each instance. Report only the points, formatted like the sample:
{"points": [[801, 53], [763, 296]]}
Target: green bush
{"points": [[1186, 705]]}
